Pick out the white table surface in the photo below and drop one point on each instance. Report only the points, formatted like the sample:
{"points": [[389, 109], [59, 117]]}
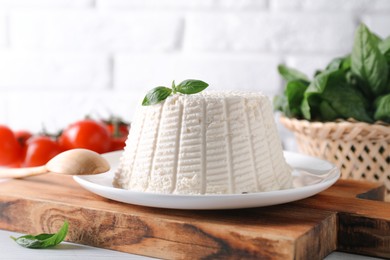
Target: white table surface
{"points": [[10, 250]]}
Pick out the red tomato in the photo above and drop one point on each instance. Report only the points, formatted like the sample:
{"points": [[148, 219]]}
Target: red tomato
{"points": [[10, 151], [22, 136], [119, 132], [118, 143], [88, 134], [40, 149]]}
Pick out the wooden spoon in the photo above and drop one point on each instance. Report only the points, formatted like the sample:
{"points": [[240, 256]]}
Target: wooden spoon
{"points": [[70, 162]]}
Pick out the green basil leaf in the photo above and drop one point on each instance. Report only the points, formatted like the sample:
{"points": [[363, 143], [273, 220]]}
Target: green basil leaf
{"points": [[382, 108], [294, 92], [327, 112], [316, 87], [347, 102], [384, 47], [43, 240], [156, 95], [368, 63], [340, 63], [281, 104], [317, 72], [289, 74], [335, 64], [346, 63], [376, 38], [191, 86]]}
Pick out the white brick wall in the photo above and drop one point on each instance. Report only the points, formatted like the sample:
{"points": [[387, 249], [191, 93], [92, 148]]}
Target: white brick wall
{"points": [[3, 30], [91, 30], [142, 71], [45, 71], [46, 3], [341, 6], [224, 32], [63, 59], [187, 5], [261, 31], [312, 33]]}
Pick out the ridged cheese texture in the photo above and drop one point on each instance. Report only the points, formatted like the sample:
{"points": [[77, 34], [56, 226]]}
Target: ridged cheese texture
{"points": [[206, 143]]}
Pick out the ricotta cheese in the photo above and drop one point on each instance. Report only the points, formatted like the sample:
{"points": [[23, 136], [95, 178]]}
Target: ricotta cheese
{"points": [[206, 143]]}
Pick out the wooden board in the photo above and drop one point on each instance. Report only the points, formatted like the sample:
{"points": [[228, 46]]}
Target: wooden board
{"points": [[340, 218]]}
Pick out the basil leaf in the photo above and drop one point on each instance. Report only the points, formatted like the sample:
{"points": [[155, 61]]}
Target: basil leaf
{"points": [[347, 102], [382, 111], [368, 63], [316, 87], [281, 104], [335, 64], [376, 38], [327, 112], [294, 92], [290, 74], [384, 47], [190, 86], [340, 63], [43, 240], [156, 95], [346, 64]]}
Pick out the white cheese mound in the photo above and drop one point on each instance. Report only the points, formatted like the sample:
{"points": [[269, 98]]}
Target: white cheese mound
{"points": [[206, 143]]}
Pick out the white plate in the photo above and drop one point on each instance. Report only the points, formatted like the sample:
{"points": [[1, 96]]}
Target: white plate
{"points": [[311, 176]]}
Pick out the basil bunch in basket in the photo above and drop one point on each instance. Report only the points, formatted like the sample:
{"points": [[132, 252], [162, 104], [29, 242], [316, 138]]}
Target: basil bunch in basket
{"points": [[356, 86]]}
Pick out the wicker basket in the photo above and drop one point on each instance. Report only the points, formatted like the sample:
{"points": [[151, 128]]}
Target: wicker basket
{"points": [[360, 150]]}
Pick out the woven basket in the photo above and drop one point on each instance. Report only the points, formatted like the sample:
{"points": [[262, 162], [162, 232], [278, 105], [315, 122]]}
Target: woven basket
{"points": [[360, 150]]}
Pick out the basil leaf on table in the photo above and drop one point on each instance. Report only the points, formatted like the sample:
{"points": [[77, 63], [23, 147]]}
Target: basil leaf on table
{"points": [[368, 63], [382, 111], [290, 74], [43, 240], [190, 86], [156, 95]]}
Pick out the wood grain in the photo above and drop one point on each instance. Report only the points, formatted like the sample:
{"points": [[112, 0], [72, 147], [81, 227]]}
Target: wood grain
{"points": [[307, 229]]}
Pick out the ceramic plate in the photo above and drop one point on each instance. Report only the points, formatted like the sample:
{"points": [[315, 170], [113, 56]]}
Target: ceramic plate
{"points": [[310, 176]]}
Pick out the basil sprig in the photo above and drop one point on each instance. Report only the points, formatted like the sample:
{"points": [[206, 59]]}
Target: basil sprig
{"points": [[158, 94], [354, 86], [43, 240]]}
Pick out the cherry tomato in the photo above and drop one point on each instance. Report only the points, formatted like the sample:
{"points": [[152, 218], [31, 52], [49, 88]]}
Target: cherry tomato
{"points": [[22, 136], [118, 143], [10, 151], [40, 149], [88, 134], [119, 131]]}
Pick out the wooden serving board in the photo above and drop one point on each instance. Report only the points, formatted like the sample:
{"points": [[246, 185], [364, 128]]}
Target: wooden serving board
{"points": [[340, 218]]}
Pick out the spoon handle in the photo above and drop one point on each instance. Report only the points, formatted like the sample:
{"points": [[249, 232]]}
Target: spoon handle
{"points": [[22, 172]]}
